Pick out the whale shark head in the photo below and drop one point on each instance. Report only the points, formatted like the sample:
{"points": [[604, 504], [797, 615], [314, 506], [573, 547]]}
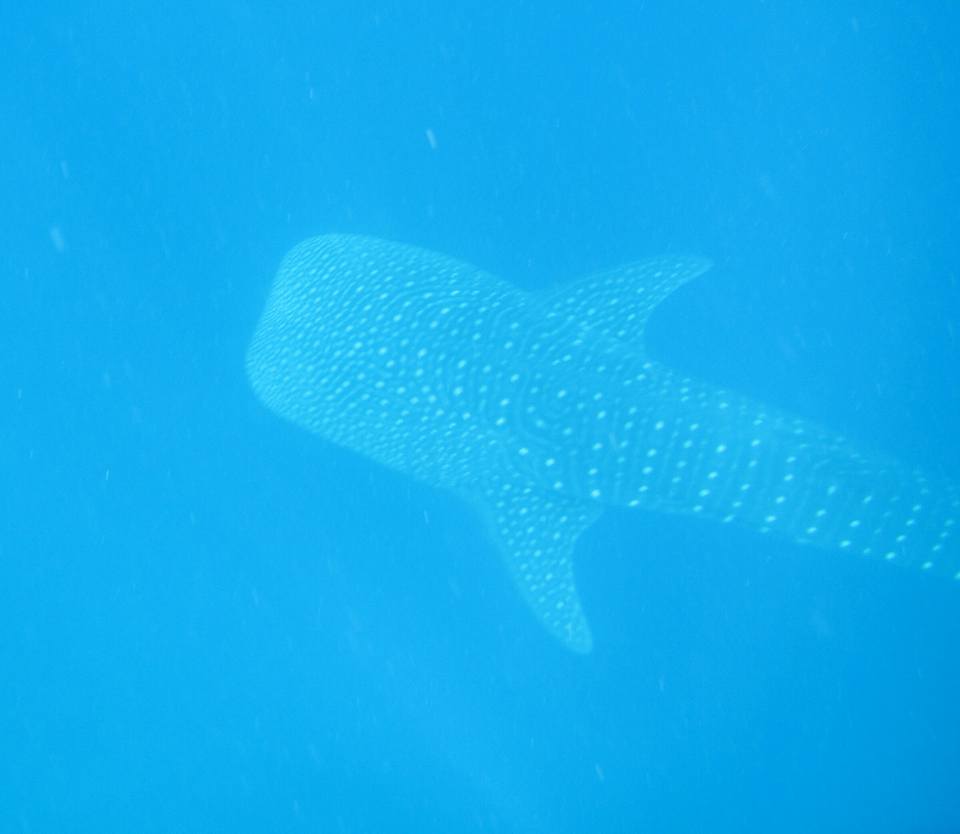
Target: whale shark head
{"points": [[542, 409]]}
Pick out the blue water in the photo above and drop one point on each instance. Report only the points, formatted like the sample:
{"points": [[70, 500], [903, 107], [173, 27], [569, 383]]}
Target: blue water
{"points": [[212, 621]]}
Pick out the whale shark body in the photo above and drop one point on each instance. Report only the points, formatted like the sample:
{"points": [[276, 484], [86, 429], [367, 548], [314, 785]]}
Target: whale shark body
{"points": [[542, 409]]}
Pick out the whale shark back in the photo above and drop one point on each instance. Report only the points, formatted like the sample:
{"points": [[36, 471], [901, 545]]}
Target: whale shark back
{"points": [[542, 409]]}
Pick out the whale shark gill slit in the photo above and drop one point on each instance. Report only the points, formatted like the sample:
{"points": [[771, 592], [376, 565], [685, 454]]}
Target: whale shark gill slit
{"points": [[542, 409]]}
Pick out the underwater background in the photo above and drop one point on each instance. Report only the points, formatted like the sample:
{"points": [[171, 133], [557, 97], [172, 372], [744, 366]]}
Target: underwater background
{"points": [[213, 621]]}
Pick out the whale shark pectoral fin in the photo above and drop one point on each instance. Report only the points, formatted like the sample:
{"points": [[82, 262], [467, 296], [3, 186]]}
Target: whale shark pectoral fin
{"points": [[536, 533], [617, 303]]}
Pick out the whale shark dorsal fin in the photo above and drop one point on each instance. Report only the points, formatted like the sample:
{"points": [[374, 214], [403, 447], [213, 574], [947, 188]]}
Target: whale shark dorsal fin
{"points": [[617, 302], [536, 533]]}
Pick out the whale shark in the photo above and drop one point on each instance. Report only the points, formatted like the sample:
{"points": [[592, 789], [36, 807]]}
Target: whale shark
{"points": [[541, 409]]}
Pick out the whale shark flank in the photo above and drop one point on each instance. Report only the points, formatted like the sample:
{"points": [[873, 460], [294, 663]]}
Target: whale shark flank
{"points": [[542, 409]]}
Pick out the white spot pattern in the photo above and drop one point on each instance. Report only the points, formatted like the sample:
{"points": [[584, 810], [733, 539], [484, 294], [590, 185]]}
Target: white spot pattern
{"points": [[548, 409]]}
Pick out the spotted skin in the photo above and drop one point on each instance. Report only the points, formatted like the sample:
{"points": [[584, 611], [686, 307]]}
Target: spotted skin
{"points": [[542, 409]]}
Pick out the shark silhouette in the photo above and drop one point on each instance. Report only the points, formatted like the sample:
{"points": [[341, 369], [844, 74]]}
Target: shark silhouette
{"points": [[542, 409]]}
